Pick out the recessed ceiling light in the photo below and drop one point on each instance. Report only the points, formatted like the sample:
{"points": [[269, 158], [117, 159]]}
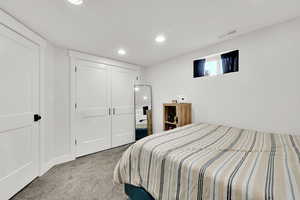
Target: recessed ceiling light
{"points": [[76, 2], [137, 89], [160, 39], [121, 52]]}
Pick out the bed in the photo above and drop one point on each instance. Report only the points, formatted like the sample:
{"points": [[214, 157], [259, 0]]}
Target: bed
{"points": [[206, 162], [141, 130]]}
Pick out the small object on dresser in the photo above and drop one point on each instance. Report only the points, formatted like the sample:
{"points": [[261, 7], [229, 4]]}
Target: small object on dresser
{"points": [[181, 99], [174, 101]]}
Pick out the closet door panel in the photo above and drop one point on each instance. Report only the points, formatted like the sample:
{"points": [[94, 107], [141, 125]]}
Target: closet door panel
{"points": [[122, 130], [93, 123], [123, 106]]}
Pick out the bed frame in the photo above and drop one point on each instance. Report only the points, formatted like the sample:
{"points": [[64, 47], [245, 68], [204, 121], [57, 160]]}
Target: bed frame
{"points": [[137, 193]]}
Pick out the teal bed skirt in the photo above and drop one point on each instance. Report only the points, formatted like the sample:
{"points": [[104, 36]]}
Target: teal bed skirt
{"points": [[137, 193]]}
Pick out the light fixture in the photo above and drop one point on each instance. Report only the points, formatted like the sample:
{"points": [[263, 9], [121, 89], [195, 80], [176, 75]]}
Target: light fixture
{"points": [[136, 89], [121, 52], [160, 39], [76, 2], [145, 97]]}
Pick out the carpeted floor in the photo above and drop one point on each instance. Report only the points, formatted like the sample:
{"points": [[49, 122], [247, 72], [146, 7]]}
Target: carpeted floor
{"points": [[86, 178]]}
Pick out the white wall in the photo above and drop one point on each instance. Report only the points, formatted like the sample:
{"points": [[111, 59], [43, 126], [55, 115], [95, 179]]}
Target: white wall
{"points": [[62, 103], [56, 118], [48, 117], [264, 95]]}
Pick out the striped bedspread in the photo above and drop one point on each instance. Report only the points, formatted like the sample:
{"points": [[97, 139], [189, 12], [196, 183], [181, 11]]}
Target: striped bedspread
{"points": [[206, 162]]}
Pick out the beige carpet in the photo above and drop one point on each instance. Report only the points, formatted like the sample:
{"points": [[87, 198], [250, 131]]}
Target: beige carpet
{"points": [[87, 178]]}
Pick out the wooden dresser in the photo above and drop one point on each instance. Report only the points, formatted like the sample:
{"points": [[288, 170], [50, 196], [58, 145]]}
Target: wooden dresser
{"points": [[176, 115]]}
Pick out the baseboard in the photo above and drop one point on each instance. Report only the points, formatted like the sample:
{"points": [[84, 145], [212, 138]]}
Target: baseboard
{"points": [[63, 159], [56, 161]]}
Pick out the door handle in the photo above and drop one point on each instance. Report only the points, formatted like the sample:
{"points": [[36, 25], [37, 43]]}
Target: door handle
{"points": [[109, 111], [37, 117], [114, 111]]}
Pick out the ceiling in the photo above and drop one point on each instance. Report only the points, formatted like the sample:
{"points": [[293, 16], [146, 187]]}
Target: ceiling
{"points": [[101, 27]]}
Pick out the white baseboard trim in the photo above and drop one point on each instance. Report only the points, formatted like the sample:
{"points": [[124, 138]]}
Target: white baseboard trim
{"points": [[56, 161]]}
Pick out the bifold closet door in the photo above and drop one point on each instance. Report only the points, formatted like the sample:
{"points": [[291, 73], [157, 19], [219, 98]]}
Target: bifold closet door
{"points": [[92, 125], [123, 106], [19, 102]]}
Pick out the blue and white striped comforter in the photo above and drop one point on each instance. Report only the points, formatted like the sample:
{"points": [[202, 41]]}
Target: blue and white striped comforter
{"points": [[211, 162]]}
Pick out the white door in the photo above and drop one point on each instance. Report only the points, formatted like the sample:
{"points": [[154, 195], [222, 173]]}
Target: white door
{"points": [[92, 123], [19, 101], [123, 106]]}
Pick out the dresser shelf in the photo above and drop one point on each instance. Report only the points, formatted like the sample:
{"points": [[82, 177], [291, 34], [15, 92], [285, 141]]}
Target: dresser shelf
{"points": [[176, 115]]}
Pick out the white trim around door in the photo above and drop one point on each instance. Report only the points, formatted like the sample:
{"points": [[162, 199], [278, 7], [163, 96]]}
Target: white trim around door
{"points": [[99, 65]]}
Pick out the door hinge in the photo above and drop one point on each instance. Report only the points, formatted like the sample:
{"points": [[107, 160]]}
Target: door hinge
{"points": [[75, 141], [75, 105], [75, 68]]}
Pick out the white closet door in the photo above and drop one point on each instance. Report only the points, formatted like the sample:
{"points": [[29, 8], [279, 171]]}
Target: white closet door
{"points": [[19, 101], [123, 106], [92, 121]]}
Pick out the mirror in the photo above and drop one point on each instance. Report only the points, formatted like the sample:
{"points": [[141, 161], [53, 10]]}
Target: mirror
{"points": [[143, 111]]}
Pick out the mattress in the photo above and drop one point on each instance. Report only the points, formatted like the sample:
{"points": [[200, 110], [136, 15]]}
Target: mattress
{"points": [[206, 162], [141, 125]]}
